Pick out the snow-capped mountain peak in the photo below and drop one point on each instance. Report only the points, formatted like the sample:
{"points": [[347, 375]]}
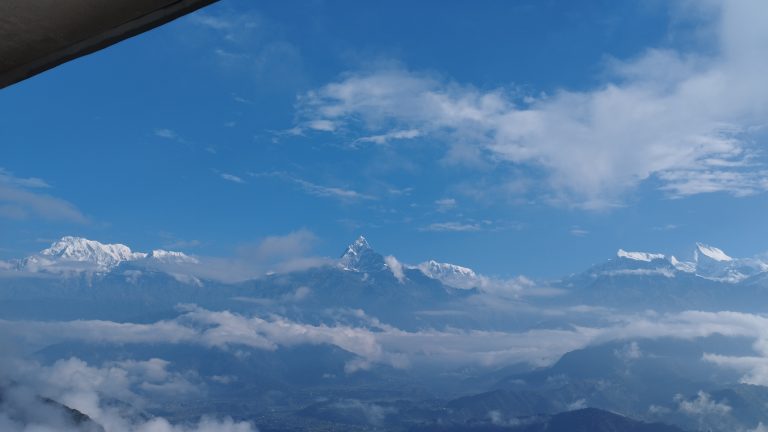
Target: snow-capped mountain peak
{"points": [[360, 257], [640, 256], [93, 255], [451, 274], [704, 252]]}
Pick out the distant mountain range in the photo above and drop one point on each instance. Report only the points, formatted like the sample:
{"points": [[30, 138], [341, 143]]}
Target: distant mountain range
{"points": [[363, 278], [76, 254]]}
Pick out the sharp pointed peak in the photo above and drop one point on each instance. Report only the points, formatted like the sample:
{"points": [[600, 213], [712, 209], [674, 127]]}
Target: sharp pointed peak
{"points": [[360, 256], [711, 252], [362, 242]]}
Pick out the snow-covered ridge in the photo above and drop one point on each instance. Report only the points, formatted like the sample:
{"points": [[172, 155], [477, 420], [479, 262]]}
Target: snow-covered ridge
{"points": [[78, 254], [708, 262], [451, 274], [640, 256], [81, 249]]}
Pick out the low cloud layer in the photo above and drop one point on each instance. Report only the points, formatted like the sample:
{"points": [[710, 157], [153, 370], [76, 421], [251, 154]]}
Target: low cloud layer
{"points": [[374, 342]]}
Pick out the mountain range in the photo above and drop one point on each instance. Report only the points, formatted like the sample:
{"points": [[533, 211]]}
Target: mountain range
{"points": [[366, 342], [76, 254]]}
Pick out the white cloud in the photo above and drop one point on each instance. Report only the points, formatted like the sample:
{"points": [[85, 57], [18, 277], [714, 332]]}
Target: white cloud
{"points": [[686, 120], [20, 199]]}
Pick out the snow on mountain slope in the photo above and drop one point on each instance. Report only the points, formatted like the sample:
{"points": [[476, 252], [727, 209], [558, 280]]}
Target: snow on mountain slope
{"points": [[713, 263], [639, 256], [82, 249], [705, 252]]}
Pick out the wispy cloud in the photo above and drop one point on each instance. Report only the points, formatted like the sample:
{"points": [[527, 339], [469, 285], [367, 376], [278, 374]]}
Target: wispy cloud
{"points": [[688, 120], [7, 177], [390, 136], [578, 232], [453, 227], [331, 192], [232, 178], [20, 199], [339, 193], [686, 183], [445, 204], [165, 133], [667, 227], [250, 43], [471, 226]]}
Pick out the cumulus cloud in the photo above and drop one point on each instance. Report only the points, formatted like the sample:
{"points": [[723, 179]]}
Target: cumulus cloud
{"points": [[20, 198], [703, 407], [685, 120]]}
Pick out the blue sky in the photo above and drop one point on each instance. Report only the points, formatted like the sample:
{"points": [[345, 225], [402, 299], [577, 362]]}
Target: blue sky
{"points": [[526, 137]]}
